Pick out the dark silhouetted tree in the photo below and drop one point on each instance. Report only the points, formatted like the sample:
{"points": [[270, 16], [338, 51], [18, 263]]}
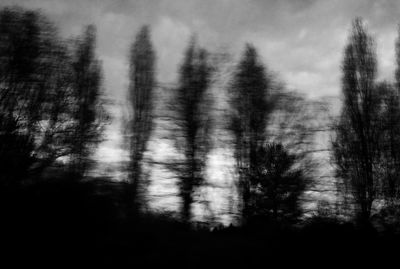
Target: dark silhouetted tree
{"points": [[48, 98], [356, 146], [89, 113], [390, 143], [142, 83], [278, 184], [391, 125], [249, 102], [35, 82], [193, 122]]}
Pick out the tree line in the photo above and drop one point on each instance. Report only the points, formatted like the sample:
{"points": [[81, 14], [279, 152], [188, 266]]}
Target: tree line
{"points": [[52, 118]]}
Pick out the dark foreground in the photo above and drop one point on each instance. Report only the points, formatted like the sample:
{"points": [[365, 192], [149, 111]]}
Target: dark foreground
{"points": [[73, 224]]}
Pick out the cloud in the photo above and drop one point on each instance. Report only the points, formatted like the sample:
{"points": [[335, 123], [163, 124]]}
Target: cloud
{"points": [[294, 37]]}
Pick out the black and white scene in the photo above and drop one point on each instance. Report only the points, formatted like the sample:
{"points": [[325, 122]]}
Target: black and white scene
{"points": [[199, 133]]}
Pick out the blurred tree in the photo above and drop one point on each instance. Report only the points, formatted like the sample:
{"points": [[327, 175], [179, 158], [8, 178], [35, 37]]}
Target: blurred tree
{"points": [[248, 123], [278, 184], [193, 121], [356, 146], [34, 76], [390, 143], [43, 99], [89, 113], [142, 83], [391, 122]]}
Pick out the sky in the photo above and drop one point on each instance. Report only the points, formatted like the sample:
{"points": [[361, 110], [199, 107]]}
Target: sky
{"points": [[301, 41]]}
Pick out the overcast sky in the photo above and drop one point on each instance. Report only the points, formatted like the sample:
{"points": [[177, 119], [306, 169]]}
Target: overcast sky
{"points": [[301, 40]]}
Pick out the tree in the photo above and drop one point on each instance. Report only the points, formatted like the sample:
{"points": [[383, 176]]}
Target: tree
{"points": [[249, 101], [390, 143], [35, 98], [49, 97], [89, 113], [193, 122], [356, 146], [278, 184], [142, 83], [391, 125]]}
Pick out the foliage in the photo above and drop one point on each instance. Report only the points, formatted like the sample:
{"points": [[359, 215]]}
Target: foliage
{"points": [[142, 83], [48, 102], [356, 146], [248, 123], [277, 184], [192, 118]]}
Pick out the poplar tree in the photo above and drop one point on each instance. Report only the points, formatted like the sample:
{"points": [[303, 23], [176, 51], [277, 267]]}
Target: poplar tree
{"points": [[357, 143], [89, 112], [193, 123], [250, 112], [141, 87]]}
